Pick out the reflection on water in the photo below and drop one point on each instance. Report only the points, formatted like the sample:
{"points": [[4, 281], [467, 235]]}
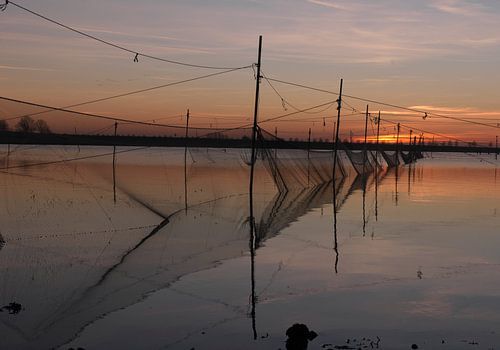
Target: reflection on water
{"points": [[185, 259]]}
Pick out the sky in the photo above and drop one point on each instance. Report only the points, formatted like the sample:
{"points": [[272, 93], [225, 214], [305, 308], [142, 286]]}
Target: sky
{"points": [[440, 56]]}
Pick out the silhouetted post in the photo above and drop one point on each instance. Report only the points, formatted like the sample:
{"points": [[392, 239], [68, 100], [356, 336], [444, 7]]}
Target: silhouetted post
{"points": [[185, 162], [333, 133], [8, 150], [276, 140], [114, 164], [308, 157], [339, 107], [78, 145], [376, 171], [365, 158], [252, 166], [496, 147], [397, 145], [308, 143], [378, 135], [336, 126], [255, 113]]}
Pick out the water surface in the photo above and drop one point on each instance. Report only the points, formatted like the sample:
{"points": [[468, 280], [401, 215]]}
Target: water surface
{"points": [[172, 265]]}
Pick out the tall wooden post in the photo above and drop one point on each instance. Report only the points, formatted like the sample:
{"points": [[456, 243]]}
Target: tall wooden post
{"points": [[309, 158], [496, 147], [255, 113], [185, 162], [336, 126], [114, 163], [376, 171], [276, 141], [365, 158], [252, 168], [397, 145], [339, 107]]}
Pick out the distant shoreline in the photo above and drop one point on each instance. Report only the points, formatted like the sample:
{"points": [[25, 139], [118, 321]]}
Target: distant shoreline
{"points": [[18, 138]]}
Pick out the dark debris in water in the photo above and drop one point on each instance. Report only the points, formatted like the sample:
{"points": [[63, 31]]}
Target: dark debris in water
{"points": [[2, 242], [12, 308], [299, 336]]}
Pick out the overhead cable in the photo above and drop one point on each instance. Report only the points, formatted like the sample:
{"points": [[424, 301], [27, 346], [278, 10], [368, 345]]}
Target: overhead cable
{"points": [[136, 53]]}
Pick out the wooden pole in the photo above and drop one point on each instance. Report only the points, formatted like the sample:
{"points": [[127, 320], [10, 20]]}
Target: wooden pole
{"points": [[185, 162], [255, 114], [276, 141], [336, 126], [496, 147], [309, 158], [397, 145], [252, 166], [376, 171], [114, 164], [339, 107], [365, 158]]}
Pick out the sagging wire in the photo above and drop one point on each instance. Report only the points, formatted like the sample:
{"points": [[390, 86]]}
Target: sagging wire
{"points": [[116, 46]]}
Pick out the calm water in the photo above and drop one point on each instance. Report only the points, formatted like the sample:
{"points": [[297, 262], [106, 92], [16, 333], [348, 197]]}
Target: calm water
{"points": [[415, 258]]}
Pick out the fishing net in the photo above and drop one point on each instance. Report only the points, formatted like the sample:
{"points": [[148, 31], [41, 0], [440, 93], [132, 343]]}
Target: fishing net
{"points": [[90, 230], [392, 160], [362, 161]]}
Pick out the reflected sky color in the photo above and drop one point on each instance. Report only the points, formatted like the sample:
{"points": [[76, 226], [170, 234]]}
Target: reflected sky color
{"points": [[419, 264], [439, 55]]}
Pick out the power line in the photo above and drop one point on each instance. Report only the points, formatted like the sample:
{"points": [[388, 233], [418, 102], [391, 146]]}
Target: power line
{"points": [[124, 94], [136, 54], [425, 113]]}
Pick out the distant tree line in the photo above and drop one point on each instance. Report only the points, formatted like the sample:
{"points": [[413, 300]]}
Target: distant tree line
{"points": [[27, 124]]}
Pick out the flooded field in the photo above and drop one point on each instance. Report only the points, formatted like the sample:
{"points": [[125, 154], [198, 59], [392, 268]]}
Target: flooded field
{"points": [[164, 257]]}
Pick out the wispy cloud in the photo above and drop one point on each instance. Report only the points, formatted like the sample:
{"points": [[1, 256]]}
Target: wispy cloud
{"points": [[457, 7], [331, 4], [28, 68]]}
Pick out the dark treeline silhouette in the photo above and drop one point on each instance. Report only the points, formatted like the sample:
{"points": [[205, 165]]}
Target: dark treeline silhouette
{"points": [[36, 133]]}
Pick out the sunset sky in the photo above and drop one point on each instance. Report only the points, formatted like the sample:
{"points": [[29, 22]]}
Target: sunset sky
{"points": [[440, 56]]}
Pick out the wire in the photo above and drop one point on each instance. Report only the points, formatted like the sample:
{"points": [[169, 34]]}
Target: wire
{"points": [[426, 113], [274, 118], [98, 116], [286, 102], [136, 54], [425, 131], [126, 93], [297, 112]]}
